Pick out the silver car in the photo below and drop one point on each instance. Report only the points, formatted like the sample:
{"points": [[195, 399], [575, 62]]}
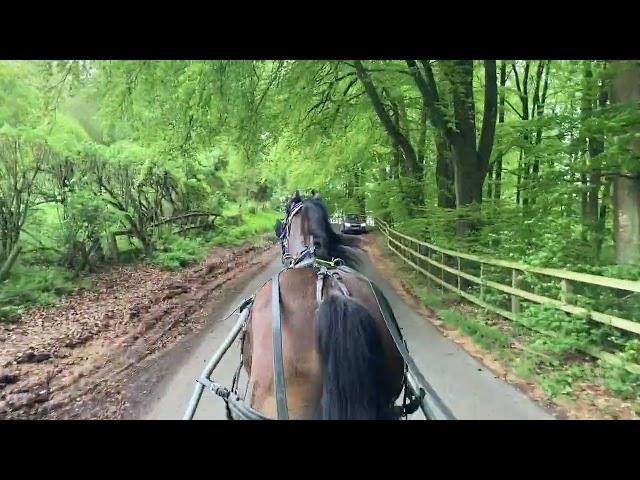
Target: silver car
{"points": [[354, 223]]}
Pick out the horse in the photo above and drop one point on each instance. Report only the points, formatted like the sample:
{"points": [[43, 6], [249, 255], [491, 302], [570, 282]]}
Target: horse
{"points": [[339, 360]]}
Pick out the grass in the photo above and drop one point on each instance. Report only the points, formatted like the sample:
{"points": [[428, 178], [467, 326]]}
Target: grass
{"points": [[488, 337], [175, 252], [253, 224], [32, 285]]}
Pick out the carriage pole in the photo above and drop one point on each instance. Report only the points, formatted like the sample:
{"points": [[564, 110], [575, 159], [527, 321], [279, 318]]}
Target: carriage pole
{"points": [[426, 410], [213, 363]]}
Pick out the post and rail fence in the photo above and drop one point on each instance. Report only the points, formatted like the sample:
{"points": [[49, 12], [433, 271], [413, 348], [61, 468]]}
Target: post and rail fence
{"points": [[414, 254]]}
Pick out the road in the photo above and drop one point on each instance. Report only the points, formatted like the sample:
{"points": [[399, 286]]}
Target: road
{"points": [[466, 386]]}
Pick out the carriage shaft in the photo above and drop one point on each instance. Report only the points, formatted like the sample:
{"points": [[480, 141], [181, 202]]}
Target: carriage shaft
{"points": [[213, 363], [424, 406]]}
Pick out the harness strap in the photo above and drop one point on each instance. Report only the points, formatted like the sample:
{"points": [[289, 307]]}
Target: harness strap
{"points": [[320, 284], [278, 365], [410, 363], [236, 377], [343, 288]]}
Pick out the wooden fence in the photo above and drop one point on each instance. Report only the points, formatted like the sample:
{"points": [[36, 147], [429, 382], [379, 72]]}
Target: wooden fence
{"points": [[411, 247]]}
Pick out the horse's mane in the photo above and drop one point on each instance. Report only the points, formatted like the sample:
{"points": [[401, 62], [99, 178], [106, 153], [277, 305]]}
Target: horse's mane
{"points": [[339, 245]]}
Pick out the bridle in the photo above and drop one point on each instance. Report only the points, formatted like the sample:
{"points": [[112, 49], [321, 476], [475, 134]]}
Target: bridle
{"points": [[307, 254]]}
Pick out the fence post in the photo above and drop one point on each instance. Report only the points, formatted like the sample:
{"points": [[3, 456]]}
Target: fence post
{"points": [[566, 289], [429, 269], [482, 281], [515, 301], [459, 270], [442, 272]]}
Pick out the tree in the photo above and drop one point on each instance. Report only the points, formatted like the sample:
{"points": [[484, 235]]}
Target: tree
{"points": [[625, 90], [470, 156], [495, 170], [412, 157]]}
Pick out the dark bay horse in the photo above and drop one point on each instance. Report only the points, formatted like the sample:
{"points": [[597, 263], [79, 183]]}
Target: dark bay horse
{"points": [[340, 361]]}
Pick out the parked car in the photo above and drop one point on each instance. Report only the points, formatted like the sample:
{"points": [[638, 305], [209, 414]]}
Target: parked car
{"points": [[354, 223]]}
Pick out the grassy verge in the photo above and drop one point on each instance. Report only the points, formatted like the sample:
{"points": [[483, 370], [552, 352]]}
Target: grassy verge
{"points": [[31, 285], [34, 283], [175, 252], [553, 364]]}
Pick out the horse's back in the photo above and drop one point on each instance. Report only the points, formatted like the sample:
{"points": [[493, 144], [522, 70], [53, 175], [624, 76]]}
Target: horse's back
{"points": [[300, 355]]}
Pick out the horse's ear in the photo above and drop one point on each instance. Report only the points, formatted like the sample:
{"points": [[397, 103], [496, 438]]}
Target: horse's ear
{"points": [[296, 198]]}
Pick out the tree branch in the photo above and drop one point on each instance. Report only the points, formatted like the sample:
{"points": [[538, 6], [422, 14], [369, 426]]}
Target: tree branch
{"points": [[514, 109], [387, 122], [427, 86]]}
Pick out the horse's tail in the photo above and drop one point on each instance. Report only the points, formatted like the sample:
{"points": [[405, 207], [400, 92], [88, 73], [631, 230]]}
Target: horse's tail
{"points": [[352, 361]]}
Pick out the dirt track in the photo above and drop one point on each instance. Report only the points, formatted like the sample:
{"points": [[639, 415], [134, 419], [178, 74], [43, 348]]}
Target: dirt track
{"points": [[82, 358]]}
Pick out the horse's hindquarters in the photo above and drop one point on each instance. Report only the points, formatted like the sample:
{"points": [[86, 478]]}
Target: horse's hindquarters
{"points": [[300, 356], [301, 359]]}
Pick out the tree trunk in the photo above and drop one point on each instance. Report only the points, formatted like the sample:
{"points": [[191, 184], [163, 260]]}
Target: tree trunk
{"points": [[592, 187], [8, 264], [409, 167], [113, 247], [595, 212], [497, 188], [444, 173], [468, 178], [468, 187], [359, 196], [625, 88], [523, 163], [471, 162], [519, 179], [626, 200], [598, 237], [471, 158], [584, 206], [539, 105]]}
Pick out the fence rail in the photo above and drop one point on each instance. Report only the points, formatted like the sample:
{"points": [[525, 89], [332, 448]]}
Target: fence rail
{"points": [[515, 290]]}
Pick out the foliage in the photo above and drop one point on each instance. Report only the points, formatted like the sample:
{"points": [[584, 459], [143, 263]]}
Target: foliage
{"points": [[174, 251], [34, 285]]}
